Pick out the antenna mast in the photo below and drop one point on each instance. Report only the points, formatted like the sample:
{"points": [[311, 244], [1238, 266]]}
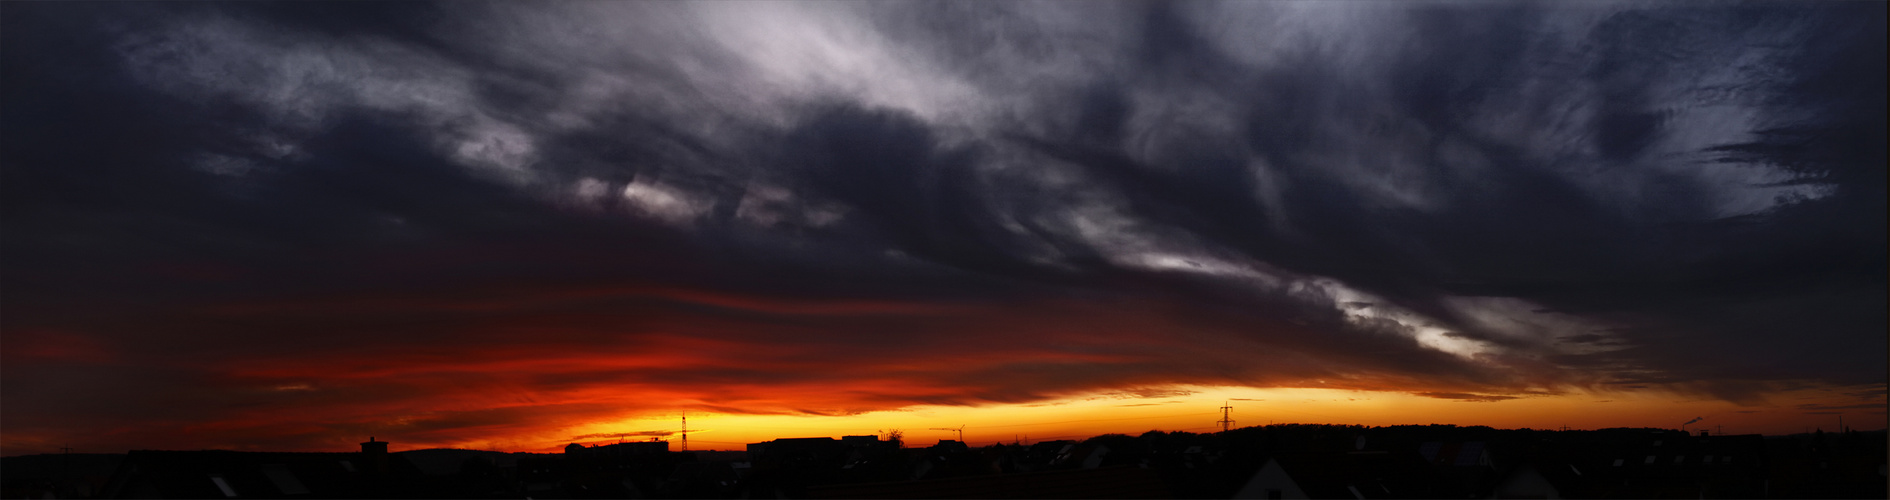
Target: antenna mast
{"points": [[685, 431], [1226, 422]]}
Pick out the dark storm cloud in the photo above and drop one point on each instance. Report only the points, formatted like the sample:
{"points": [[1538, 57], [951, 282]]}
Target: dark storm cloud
{"points": [[1461, 202], [624, 435], [1482, 398], [1510, 221], [1840, 407]]}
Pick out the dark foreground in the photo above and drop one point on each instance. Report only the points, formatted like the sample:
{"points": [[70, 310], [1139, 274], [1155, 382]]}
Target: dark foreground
{"points": [[1280, 461]]}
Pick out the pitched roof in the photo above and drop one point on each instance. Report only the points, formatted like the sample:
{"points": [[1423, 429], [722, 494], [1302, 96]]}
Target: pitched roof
{"points": [[234, 474], [1105, 482], [1356, 474]]}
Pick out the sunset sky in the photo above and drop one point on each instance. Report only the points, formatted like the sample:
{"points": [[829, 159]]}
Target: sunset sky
{"points": [[516, 225]]}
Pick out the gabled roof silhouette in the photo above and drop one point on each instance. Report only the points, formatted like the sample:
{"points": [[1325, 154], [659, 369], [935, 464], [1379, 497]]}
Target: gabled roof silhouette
{"points": [[1453, 453], [1106, 482], [1346, 475], [236, 474]]}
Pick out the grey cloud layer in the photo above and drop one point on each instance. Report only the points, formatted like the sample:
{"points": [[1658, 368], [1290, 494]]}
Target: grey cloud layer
{"points": [[1491, 197]]}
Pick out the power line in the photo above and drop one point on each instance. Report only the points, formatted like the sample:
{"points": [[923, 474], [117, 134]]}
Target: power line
{"points": [[719, 442], [959, 430], [1372, 421], [1101, 420]]}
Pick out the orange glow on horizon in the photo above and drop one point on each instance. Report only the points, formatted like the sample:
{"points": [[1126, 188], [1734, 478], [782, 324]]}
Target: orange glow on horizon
{"points": [[536, 380], [1084, 416]]}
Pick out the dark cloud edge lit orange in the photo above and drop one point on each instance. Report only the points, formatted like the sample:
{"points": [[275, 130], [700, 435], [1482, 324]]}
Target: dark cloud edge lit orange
{"points": [[286, 226]]}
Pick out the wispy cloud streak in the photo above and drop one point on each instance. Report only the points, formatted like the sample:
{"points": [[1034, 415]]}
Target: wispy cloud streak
{"points": [[286, 224]]}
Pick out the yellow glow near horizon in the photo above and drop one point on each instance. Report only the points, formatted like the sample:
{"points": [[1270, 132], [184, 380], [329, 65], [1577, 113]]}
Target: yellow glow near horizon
{"points": [[1082, 416]]}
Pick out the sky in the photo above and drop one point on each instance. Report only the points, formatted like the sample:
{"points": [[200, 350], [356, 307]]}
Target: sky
{"points": [[516, 225]]}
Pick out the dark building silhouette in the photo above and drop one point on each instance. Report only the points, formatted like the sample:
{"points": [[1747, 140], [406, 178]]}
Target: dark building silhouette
{"points": [[624, 449], [1109, 482], [639, 469], [370, 473], [1358, 474], [1283, 461], [60, 475]]}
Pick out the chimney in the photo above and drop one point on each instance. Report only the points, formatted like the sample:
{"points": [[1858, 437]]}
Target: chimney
{"points": [[372, 447], [375, 453]]}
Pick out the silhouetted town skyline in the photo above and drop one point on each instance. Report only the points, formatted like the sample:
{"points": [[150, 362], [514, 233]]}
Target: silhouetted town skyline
{"points": [[1275, 461], [292, 225]]}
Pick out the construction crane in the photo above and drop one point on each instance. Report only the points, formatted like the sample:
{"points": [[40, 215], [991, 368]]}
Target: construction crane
{"points": [[960, 430]]}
